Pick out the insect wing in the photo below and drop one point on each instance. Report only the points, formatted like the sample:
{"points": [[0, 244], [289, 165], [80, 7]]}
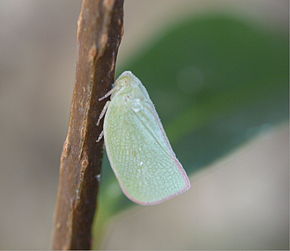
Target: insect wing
{"points": [[140, 154]]}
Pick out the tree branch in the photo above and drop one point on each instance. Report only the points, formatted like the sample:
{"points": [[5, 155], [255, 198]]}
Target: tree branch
{"points": [[100, 27]]}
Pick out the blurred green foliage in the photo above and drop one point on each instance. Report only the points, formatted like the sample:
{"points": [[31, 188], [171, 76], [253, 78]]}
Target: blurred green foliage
{"points": [[216, 82]]}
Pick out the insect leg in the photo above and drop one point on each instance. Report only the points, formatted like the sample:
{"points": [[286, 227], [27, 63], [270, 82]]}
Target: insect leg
{"points": [[100, 136], [107, 94], [103, 112]]}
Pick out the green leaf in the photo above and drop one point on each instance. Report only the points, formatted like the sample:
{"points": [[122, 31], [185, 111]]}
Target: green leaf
{"points": [[216, 82]]}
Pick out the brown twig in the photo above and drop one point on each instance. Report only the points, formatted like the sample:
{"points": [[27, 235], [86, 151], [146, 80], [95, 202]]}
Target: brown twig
{"points": [[100, 28]]}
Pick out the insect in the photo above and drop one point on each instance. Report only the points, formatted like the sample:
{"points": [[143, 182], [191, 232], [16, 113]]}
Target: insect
{"points": [[137, 146]]}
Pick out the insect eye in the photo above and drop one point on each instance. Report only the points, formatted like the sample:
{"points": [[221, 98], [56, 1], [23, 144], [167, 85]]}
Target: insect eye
{"points": [[123, 82]]}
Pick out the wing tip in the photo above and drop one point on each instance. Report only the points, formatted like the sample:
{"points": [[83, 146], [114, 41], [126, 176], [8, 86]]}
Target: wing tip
{"points": [[186, 187], [156, 202]]}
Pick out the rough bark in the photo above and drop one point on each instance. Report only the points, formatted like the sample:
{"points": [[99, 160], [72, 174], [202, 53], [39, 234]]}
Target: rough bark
{"points": [[100, 27]]}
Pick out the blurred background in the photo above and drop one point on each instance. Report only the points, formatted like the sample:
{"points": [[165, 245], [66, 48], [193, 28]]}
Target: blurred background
{"points": [[217, 71]]}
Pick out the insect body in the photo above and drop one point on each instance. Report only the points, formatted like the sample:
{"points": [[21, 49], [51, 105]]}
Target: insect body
{"points": [[137, 146]]}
